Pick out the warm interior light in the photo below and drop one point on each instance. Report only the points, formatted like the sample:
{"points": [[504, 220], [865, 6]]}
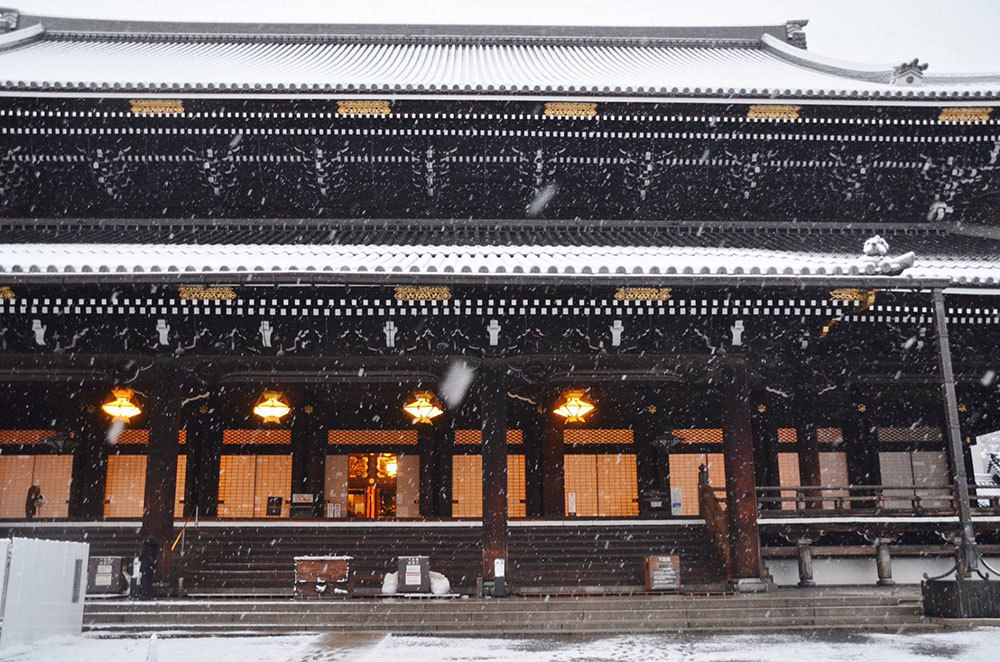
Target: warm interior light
{"points": [[272, 406], [574, 408], [423, 408], [120, 407]]}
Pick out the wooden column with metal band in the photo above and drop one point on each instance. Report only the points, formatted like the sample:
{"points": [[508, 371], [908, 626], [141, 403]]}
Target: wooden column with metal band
{"points": [[89, 429], [741, 500], [553, 463], [164, 418], [808, 444], [493, 410]]}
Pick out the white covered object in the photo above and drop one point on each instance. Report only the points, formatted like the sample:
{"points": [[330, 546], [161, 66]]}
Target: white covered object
{"points": [[439, 584], [390, 583], [45, 581]]}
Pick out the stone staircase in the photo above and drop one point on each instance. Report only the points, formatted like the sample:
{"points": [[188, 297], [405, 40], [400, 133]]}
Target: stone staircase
{"points": [[778, 610]]}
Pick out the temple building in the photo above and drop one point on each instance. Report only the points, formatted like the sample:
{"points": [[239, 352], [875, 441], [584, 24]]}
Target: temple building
{"points": [[562, 297]]}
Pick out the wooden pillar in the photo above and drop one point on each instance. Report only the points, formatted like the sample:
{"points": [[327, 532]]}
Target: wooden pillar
{"points": [[427, 445], [204, 447], [765, 446], [441, 476], [553, 465], [807, 442], [88, 427], [651, 470], [493, 408], [532, 438], [741, 500], [862, 447], [164, 407]]}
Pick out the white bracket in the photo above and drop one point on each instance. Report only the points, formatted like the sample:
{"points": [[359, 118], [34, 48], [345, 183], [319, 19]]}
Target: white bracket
{"points": [[494, 330], [39, 331], [162, 328], [390, 333], [265, 333], [737, 331], [616, 333]]}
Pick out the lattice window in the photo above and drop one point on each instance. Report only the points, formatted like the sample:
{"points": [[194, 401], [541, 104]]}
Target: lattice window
{"points": [[475, 437], [909, 435], [181, 486], [467, 486], [19, 437], [914, 469], [133, 437], [53, 474], [700, 435], [245, 482], [182, 437], [786, 436], [833, 471], [125, 487], [684, 474], [372, 437], [788, 474], [829, 435], [601, 485], [257, 437], [582, 436]]}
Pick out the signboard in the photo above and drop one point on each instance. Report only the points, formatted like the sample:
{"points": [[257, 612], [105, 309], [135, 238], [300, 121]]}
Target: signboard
{"points": [[414, 574], [676, 501], [571, 504], [663, 572], [499, 568]]}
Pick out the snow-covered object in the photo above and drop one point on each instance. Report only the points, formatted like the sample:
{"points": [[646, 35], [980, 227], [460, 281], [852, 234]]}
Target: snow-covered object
{"points": [[876, 246], [152, 654], [439, 584], [390, 583]]}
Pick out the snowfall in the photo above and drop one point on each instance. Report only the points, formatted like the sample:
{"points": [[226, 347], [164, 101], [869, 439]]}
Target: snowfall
{"points": [[977, 645]]}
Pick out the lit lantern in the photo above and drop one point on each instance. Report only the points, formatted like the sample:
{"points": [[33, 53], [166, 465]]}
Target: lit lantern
{"points": [[272, 406], [391, 467], [574, 408], [120, 407], [423, 408]]}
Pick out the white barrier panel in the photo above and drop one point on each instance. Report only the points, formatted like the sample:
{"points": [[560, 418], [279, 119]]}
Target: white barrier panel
{"points": [[43, 590]]}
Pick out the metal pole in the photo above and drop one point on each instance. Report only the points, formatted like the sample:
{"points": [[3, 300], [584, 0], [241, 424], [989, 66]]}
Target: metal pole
{"points": [[968, 543]]}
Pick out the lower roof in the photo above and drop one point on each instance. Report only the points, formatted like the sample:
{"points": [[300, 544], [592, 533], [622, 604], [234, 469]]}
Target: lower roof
{"points": [[618, 253]]}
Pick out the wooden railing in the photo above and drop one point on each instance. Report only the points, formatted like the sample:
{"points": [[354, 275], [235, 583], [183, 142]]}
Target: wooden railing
{"points": [[796, 500], [716, 523]]}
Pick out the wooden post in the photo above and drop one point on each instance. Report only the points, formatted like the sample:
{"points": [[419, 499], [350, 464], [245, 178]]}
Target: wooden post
{"points": [[765, 447], [862, 447], [204, 442], [808, 447], [161, 465], [427, 445], [804, 546], [553, 466], [493, 408], [532, 438], [883, 562], [441, 477], [741, 500], [651, 473], [89, 427]]}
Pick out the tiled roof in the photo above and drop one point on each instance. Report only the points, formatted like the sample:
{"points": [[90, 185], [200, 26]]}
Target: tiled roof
{"points": [[410, 59], [568, 261]]}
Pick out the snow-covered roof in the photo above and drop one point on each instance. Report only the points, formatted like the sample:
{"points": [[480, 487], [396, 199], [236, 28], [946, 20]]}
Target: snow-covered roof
{"points": [[43, 53], [62, 260]]}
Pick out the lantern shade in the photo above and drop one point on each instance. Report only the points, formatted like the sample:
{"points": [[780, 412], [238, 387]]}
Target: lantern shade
{"points": [[574, 408], [423, 408], [272, 406], [120, 407]]}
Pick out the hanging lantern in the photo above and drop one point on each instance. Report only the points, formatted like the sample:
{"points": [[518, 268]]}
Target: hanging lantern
{"points": [[271, 406], [423, 408], [574, 408], [120, 407]]}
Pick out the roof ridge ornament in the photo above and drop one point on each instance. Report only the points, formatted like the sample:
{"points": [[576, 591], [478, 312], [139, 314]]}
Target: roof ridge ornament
{"points": [[876, 248], [909, 74], [796, 33], [8, 19]]}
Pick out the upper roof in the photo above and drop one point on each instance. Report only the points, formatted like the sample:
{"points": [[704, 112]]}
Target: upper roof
{"points": [[49, 53]]}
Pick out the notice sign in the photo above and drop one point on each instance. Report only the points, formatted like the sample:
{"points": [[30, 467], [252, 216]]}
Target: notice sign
{"points": [[663, 572], [412, 574]]}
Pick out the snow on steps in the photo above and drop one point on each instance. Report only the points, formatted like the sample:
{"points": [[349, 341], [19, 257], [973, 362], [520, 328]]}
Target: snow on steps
{"points": [[779, 610]]}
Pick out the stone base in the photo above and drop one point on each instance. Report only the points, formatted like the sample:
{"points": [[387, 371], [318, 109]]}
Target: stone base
{"points": [[750, 585], [961, 599]]}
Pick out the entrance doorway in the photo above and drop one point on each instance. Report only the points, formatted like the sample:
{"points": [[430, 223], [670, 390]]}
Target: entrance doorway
{"points": [[371, 485]]}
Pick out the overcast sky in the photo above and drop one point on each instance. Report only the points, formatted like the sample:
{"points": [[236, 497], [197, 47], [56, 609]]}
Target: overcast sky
{"points": [[951, 35]]}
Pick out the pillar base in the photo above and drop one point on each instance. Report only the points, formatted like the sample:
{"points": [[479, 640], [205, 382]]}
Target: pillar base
{"points": [[885, 582], [806, 583], [750, 585]]}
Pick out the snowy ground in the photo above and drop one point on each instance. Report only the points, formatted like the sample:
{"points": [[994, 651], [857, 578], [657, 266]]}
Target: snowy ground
{"points": [[980, 645]]}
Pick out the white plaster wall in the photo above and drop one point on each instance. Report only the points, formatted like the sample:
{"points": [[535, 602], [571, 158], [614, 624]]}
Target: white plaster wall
{"points": [[861, 571], [38, 600]]}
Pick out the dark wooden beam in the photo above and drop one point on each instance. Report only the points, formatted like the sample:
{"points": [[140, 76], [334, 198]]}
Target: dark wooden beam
{"points": [[553, 465]]}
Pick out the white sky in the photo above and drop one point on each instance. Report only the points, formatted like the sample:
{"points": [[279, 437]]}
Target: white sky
{"points": [[952, 35]]}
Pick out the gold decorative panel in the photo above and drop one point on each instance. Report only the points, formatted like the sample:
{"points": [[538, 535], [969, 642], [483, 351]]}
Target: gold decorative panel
{"points": [[363, 107], [570, 109], [643, 293], [156, 106], [199, 293], [773, 112], [422, 293], [6, 293], [965, 114]]}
